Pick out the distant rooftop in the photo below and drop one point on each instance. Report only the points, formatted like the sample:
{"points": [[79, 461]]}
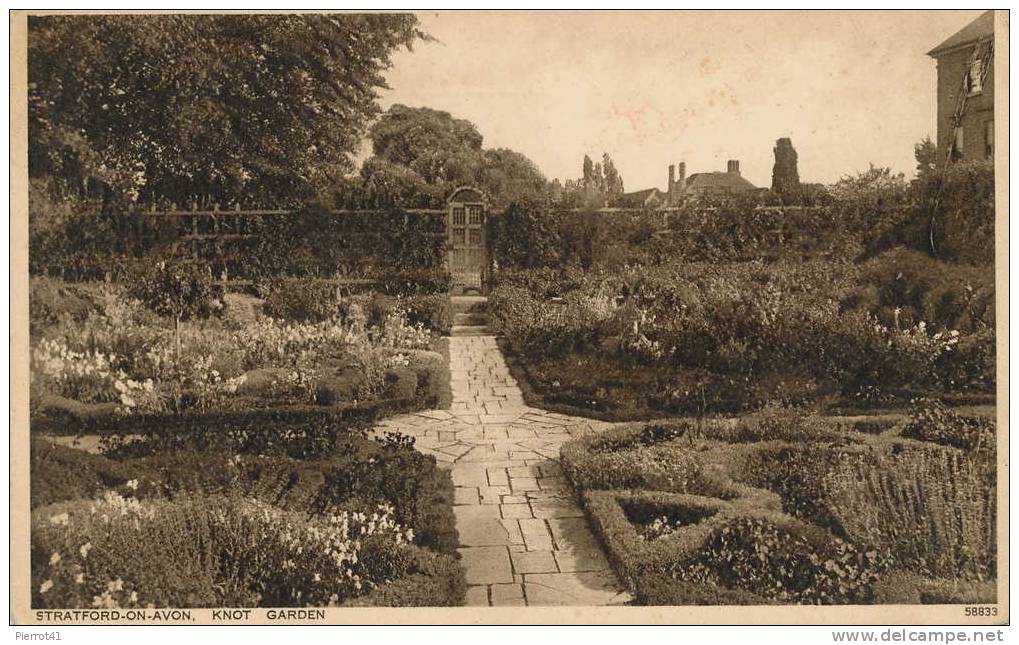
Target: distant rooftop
{"points": [[723, 180], [982, 27], [637, 198]]}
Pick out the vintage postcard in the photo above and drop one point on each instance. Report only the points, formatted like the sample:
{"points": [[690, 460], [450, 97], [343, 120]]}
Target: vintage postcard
{"points": [[447, 316]]}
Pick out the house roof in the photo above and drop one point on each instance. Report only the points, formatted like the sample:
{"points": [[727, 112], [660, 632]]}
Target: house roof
{"points": [[636, 198], [982, 27], [718, 180]]}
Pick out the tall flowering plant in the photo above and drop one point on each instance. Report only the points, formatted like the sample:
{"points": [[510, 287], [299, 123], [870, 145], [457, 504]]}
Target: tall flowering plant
{"points": [[210, 551]]}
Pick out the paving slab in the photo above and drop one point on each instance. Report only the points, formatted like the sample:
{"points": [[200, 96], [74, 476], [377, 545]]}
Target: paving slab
{"points": [[486, 565], [533, 562], [574, 589]]}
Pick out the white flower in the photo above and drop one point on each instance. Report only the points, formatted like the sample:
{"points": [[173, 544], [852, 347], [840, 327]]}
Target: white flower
{"points": [[132, 484], [55, 558], [46, 586], [85, 548], [60, 519], [80, 578]]}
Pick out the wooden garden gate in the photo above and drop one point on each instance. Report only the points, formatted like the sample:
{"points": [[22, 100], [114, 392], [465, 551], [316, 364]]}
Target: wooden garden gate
{"points": [[468, 247]]}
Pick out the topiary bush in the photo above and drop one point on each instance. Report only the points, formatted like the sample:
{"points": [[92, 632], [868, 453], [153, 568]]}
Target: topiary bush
{"points": [[435, 312]]}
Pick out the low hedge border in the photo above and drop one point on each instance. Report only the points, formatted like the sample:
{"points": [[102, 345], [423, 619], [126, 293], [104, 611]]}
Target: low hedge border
{"points": [[438, 581], [639, 561], [911, 589]]}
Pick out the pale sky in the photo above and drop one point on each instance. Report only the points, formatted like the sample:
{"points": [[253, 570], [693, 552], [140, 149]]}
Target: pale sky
{"points": [[654, 88]]}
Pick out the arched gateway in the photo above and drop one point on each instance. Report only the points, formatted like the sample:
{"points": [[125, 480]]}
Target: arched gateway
{"points": [[467, 255]]}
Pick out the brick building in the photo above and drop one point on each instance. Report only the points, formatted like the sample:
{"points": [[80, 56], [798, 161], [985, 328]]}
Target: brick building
{"points": [[966, 91]]}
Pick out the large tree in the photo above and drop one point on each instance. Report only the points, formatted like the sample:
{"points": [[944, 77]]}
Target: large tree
{"points": [[613, 181], [420, 155], [225, 107]]}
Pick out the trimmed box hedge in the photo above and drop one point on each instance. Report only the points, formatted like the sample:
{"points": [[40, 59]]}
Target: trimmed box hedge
{"points": [[437, 580], [797, 562]]}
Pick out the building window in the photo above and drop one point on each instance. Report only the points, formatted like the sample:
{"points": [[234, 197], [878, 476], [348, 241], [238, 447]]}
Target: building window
{"points": [[458, 235], [458, 216], [475, 214], [475, 234], [989, 140], [974, 82]]}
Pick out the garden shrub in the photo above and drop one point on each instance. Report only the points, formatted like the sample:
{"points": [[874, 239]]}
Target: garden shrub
{"points": [[177, 289], [902, 287], [434, 391], [775, 422], [435, 312], [69, 236], [346, 385], [59, 473], [796, 473], [302, 300], [957, 201], [525, 236], [401, 383], [933, 509], [209, 552], [51, 300], [931, 420]]}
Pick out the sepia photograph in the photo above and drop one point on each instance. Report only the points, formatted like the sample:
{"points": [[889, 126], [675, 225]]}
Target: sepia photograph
{"points": [[519, 316]]}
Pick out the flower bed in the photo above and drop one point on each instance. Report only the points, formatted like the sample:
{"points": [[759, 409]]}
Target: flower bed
{"points": [[213, 552], [685, 338], [118, 357], [776, 508], [303, 494]]}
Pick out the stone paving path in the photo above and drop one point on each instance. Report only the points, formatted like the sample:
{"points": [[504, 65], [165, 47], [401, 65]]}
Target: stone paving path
{"points": [[524, 540]]}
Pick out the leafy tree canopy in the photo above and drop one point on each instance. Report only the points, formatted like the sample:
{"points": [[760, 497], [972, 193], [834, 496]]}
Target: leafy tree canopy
{"points": [[226, 107], [420, 155]]}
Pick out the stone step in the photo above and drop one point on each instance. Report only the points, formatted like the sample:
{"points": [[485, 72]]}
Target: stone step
{"points": [[471, 330], [472, 319], [468, 304]]}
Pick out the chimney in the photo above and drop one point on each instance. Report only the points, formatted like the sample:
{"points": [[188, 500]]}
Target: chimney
{"points": [[734, 166], [672, 179], [682, 174]]}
